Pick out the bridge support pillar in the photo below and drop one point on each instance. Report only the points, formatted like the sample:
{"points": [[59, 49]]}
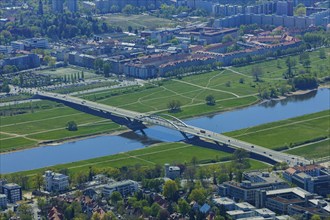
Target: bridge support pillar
{"points": [[184, 135], [142, 131]]}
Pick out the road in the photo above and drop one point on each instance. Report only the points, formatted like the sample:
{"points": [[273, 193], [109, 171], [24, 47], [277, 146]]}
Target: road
{"points": [[176, 124]]}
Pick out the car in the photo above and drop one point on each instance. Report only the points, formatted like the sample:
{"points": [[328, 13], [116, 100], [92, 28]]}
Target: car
{"points": [[228, 140], [252, 146]]}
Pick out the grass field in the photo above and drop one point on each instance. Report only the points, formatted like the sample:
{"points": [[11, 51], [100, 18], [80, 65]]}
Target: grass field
{"points": [[157, 154], [60, 72], [138, 21], [284, 133], [272, 71], [29, 129], [312, 151]]}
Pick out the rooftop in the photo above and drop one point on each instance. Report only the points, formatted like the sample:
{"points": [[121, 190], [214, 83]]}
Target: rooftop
{"points": [[223, 201], [296, 190], [120, 183]]}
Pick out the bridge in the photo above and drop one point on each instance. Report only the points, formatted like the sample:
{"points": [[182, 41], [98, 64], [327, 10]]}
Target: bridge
{"points": [[138, 121]]}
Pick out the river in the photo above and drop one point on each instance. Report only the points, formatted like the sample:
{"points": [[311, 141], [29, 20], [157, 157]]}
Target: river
{"points": [[107, 145]]}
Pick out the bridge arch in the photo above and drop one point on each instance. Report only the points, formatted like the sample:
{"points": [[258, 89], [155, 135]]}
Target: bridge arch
{"points": [[159, 118], [180, 122]]}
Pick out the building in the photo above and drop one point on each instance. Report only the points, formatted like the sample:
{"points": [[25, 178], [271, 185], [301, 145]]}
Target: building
{"points": [[239, 214], [2, 183], [229, 204], [313, 178], [3, 201], [33, 43], [254, 181], [278, 200], [13, 192], [317, 19], [124, 187], [72, 5], [22, 62], [172, 172], [55, 182], [57, 6], [293, 201]]}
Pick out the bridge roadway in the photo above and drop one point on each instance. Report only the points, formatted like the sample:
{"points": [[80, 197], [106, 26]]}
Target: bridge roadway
{"points": [[178, 125]]}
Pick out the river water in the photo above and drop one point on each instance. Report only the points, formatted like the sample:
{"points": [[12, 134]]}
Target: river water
{"points": [[107, 145]]}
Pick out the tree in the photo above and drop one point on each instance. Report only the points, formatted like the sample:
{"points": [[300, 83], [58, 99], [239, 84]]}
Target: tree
{"points": [[322, 54], [163, 214], [114, 9], [128, 9], [289, 73], [305, 82], [39, 180], [174, 106], [106, 69], [155, 209], [25, 212], [316, 217], [170, 189], [98, 65], [240, 155], [5, 87], [72, 126], [300, 10], [184, 206], [227, 38], [115, 197], [256, 73], [198, 195]]}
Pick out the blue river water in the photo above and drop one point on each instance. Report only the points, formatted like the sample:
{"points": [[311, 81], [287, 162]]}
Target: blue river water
{"points": [[107, 145]]}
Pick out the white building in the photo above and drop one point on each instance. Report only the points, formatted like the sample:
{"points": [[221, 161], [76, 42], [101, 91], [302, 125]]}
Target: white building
{"points": [[3, 201], [124, 187], [172, 172], [55, 181]]}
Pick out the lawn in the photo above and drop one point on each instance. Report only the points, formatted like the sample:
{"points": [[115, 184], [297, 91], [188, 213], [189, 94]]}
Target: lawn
{"points": [[274, 69], [138, 21], [287, 133], [177, 152], [313, 151]]}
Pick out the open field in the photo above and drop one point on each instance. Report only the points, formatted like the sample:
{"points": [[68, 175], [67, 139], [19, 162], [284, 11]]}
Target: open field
{"points": [[314, 150], [157, 154], [27, 130], [138, 21], [68, 71], [271, 69], [286, 133]]}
